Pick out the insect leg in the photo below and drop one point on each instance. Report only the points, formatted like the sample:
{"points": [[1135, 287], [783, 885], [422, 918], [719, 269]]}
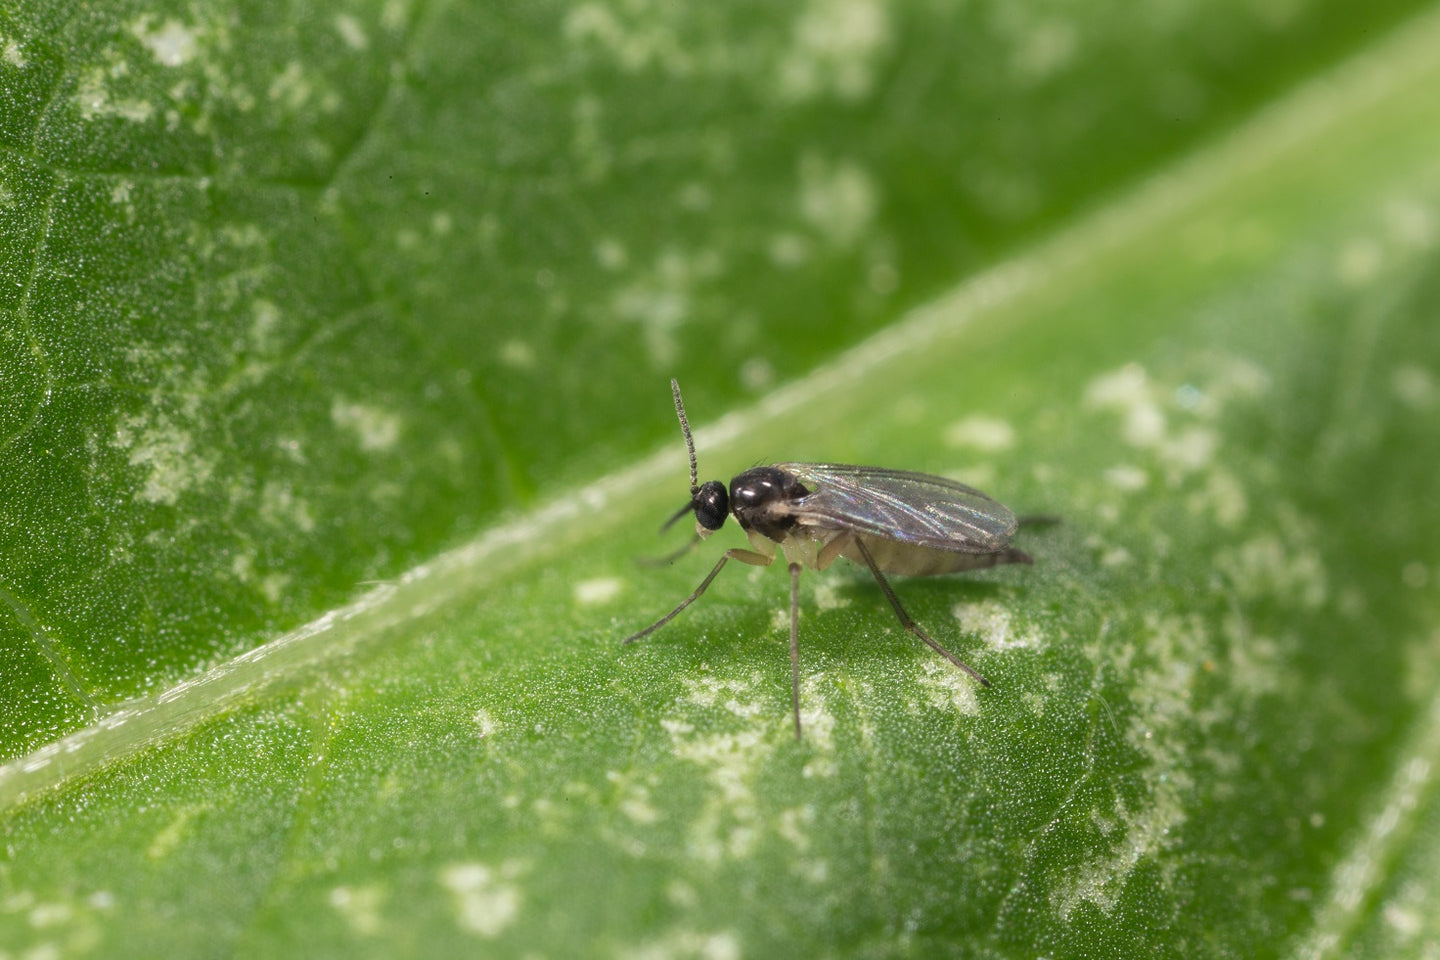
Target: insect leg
{"points": [[744, 556], [905, 619], [795, 644]]}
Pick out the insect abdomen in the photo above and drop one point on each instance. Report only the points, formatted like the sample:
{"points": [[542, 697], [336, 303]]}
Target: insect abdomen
{"points": [[909, 560]]}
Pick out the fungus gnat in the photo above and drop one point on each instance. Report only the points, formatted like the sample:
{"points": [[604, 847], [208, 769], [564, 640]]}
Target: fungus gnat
{"points": [[892, 521]]}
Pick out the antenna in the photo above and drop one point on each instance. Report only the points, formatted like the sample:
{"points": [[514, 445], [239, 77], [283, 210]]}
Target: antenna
{"points": [[689, 443]]}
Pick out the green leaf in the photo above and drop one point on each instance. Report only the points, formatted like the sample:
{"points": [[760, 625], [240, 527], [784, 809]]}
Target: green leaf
{"points": [[293, 303]]}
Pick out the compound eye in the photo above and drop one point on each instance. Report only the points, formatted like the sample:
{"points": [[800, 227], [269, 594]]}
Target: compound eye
{"points": [[711, 505]]}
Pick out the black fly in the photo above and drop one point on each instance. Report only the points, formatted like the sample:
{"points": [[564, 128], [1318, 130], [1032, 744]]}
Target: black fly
{"points": [[892, 521]]}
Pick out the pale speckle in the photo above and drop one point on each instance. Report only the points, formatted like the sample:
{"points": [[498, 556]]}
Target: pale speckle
{"points": [[992, 621], [987, 434], [828, 597], [1264, 567], [242, 565], [265, 319], [92, 96], [1162, 687], [13, 54], [788, 250], [1045, 49], [948, 689], [1223, 497], [441, 223], [173, 44], [633, 37], [486, 900], [44, 915], [1192, 449], [1128, 391], [1359, 261], [681, 894], [1410, 224], [291, 89], [375, 428], [883, 278], [659, 300], [1414, 386], [756, 374], [634, 798], [597, 591], [1101, 881], [485, 724], [245, 236], [835, 50], [169, 837], [594, 155], [166, 452], [818, 723], [351, 32], [120, 197], [395, 14], [1405, 922], [281, 507], [274, 585], [1115, 557], [1415, 575], [682, 944], [794, 826], [1241, 379], [706, 690], [837, 198], [728, 824], [695, 196], [1127, 477], [517, 354], [780, 620], [610, 254], [360, 906]]}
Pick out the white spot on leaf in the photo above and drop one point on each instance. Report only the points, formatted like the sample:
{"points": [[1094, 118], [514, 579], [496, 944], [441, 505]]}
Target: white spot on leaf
{"points": [[597, 591], [172, 43], [12, 53], [360, 906], [92, 96], [376, 429], [835, 50], [486, 900], [166, 452], [351, 32], [987, 434], [1127, 477], [1414, 386], [992, 621], [837, 198]]}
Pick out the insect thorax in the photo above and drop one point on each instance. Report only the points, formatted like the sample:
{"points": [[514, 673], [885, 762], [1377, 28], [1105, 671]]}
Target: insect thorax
{"points": [[763, 499]]}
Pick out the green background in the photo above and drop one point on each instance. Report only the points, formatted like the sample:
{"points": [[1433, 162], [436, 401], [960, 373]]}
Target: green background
{"points": [[350, 325]]}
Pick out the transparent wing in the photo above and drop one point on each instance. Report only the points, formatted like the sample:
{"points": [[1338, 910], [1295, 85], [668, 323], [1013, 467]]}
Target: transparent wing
{"points": [[901, 505]]}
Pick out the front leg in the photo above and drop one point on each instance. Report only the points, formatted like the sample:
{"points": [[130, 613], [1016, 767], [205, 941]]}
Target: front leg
{"points": [[751, 557]]}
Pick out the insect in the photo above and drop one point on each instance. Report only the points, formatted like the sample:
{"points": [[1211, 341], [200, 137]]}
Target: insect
{"points": [[891, 521]]}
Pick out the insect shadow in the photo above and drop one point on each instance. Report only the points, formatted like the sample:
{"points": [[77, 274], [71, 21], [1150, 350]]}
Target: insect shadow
{"points": [[889, 521]]}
